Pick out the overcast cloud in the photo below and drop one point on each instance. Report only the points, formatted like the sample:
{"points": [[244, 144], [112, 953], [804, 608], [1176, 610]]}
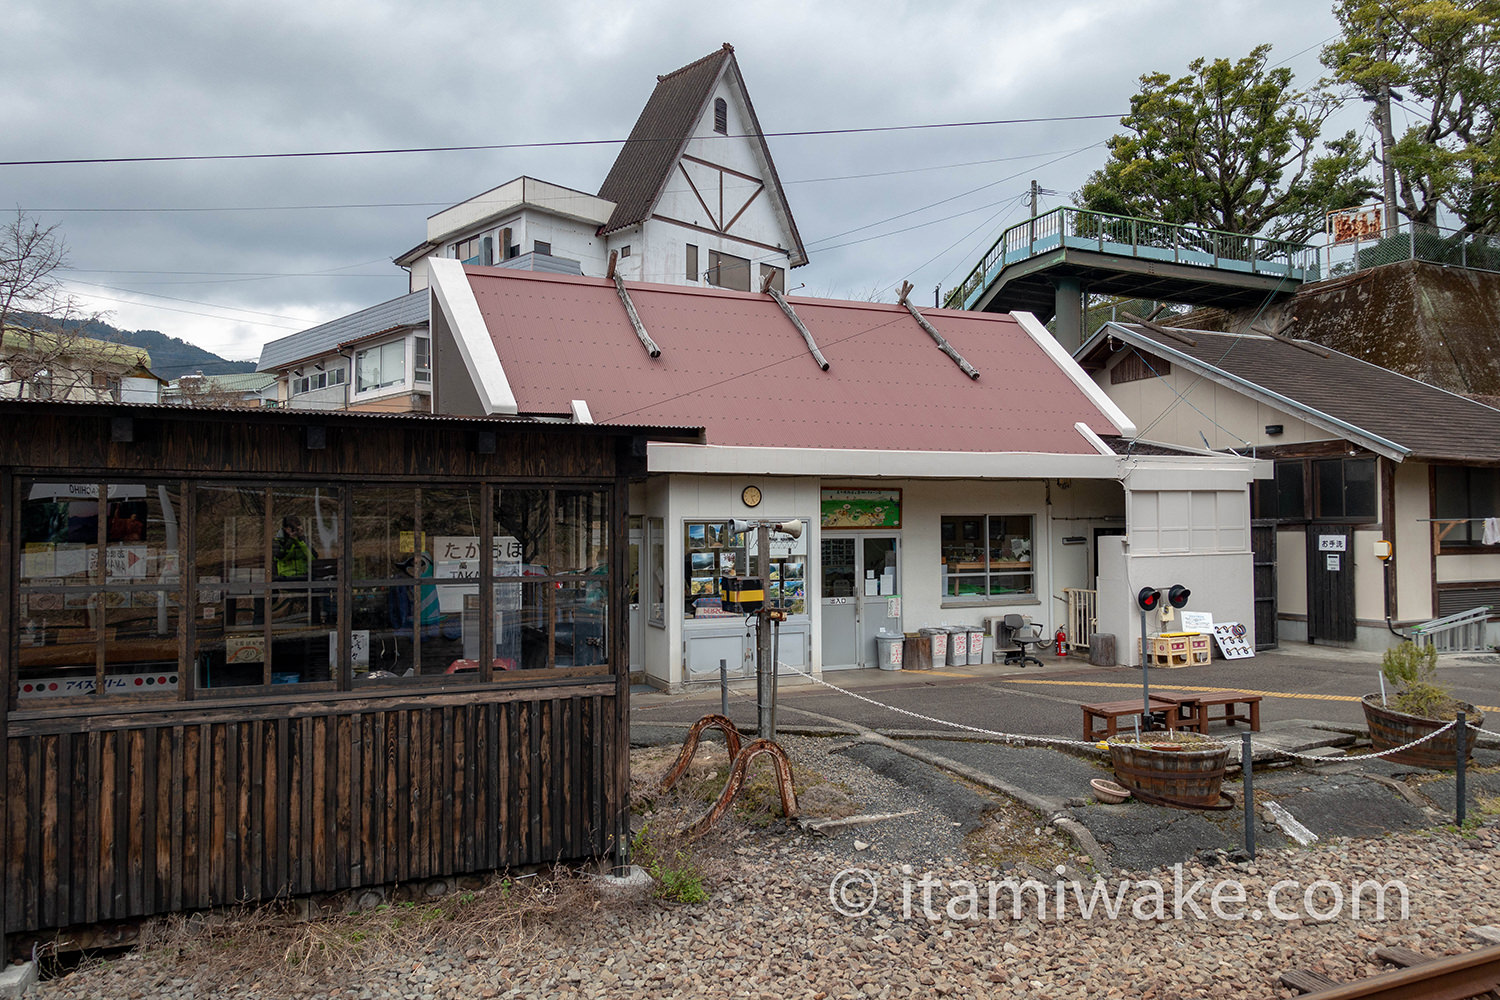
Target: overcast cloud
{"points": [[228, 254]]}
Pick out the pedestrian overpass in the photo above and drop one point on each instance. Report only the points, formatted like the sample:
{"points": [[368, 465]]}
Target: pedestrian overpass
{"points": [[1045, 264]]}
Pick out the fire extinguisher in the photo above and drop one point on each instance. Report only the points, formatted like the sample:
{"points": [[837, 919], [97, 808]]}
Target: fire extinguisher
{"points": [[1062, 642]]}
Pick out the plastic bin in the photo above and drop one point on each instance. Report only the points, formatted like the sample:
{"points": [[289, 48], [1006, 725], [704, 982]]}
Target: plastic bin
{"points": [[938, 638], [916, 652], [976, 646], [958, 646], [888, 650]]}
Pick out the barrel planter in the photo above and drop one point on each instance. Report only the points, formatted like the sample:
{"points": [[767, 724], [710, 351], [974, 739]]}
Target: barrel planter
{"points": [[1390, 728], [1178, 769]]}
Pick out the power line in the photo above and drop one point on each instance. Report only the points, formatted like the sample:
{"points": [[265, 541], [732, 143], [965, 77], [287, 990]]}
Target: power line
{"points": [[447, 204], [307, 154], [172, 298]]}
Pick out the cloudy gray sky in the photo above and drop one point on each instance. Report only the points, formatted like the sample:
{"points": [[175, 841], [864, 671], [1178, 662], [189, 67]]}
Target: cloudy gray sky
{"points": [[230, 254]]}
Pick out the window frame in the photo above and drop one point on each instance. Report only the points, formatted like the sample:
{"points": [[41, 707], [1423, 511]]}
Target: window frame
{"points": [[741, 544], [594, 570], [716, 270], [994, 569], [390, 387], [1472, 538]]}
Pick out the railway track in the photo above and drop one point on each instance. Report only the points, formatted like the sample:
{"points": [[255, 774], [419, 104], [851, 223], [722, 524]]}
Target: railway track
{"points": [[1475, 974]]}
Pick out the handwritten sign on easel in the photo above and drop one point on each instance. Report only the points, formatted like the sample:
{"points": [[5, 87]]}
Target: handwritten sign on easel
{"points": [[1233, 640]]}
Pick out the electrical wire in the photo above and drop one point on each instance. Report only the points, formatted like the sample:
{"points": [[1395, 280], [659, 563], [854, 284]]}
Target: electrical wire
{"points": [[308, 154]]}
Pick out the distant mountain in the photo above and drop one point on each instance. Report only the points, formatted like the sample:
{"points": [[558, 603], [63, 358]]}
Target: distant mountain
{"points": [[170, 356]]}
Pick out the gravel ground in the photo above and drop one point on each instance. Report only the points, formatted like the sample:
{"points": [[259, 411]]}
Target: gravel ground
{"points": [[771, 929]]}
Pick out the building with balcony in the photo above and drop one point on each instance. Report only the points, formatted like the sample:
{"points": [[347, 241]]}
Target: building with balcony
{"points": [[692, 199]]}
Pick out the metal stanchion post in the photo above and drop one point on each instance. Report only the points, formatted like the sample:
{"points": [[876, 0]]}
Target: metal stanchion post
{"points": [[764, 669], [1145, 680], [1247, 768], [724, 688], [775, 669], [1461, 729]]}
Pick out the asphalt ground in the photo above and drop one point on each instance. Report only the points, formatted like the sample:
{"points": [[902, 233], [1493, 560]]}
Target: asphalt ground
{"points": [[1300, 682], [1303, 689]]}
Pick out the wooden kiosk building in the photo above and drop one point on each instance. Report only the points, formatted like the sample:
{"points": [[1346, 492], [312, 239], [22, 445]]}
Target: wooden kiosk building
{"points": [[243, 651]]}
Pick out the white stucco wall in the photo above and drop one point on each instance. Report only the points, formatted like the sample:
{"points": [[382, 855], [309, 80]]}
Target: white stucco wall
{"points": [[1226, 417], [1413, 543], [1198, 538], [1083, 505]]}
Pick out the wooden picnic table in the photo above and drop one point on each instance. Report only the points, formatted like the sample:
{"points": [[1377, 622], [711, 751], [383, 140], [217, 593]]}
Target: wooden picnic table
{"points": [[1112, 711], [1205, 700]]}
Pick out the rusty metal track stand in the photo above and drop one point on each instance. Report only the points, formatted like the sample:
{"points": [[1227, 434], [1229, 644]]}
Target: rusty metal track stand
{"points": [[740, 759]]}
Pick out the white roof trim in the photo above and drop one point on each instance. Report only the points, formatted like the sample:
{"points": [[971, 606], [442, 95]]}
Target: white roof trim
{"points": [[580, 410], [847, 462], [1094, 440], [452, 294], [1071, 368], [1186, 471]]}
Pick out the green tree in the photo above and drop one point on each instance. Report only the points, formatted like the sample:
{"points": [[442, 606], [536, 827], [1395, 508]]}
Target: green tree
{"points": [[1439, 60], [1231, 146]]}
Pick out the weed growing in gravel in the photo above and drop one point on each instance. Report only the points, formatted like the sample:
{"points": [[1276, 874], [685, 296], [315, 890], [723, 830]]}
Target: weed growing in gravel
{"points": [[1014, 835], [678, 877], [266, 947]]}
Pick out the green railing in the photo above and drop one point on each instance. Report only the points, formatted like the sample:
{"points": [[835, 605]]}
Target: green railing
{"points": [[1452, 247], [1121, 235]]}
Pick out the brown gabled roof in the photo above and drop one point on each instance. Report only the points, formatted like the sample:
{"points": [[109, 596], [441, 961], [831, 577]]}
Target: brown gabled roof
{"points": [[1378, 407], [661, 133]]}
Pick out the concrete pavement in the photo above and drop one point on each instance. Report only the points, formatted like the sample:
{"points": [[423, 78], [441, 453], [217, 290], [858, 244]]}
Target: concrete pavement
{"points": [[1310, 697]]}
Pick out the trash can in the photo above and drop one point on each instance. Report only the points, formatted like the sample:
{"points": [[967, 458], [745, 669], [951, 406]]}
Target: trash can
{"points": [[916, 652], [888, 649], [938, 638], [958, 646], [976, 646]]}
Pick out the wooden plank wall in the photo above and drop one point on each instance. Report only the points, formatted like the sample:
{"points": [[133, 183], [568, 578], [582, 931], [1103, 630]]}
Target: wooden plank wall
{"points": [[135, 819]]}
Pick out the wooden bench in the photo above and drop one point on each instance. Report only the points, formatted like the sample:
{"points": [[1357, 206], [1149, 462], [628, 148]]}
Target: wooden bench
{"points": [[1112, 711], [1227, 700]]}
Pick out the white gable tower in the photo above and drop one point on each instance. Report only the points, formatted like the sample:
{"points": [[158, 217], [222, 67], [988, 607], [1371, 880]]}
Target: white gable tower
{"points": [[696, 195]]}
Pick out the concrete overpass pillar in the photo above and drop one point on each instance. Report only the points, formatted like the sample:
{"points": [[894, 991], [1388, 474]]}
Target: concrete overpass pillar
{"points": [[1068, 309]]}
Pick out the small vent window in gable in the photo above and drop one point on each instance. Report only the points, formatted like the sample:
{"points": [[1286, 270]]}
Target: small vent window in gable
{"points": [[721, 116], [1134, 367]]}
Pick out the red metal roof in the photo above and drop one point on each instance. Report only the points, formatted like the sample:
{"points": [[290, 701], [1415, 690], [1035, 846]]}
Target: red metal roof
{"points": [[733, 363]]}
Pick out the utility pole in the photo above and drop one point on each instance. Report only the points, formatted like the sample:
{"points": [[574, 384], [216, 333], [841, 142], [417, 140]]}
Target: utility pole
{"points": [[1387, 136], [1036, 189]]}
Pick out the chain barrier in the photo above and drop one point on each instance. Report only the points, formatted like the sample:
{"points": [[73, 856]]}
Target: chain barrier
{"points": [[1365, 756], [1484, 731], [1024, 738], [1007, 737]]}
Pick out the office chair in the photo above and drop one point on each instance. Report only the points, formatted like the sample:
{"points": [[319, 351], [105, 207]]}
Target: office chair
{"points": [[1022, 634]]}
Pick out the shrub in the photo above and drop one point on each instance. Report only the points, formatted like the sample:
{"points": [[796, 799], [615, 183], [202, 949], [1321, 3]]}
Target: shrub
{"points": [[1413, 673]]}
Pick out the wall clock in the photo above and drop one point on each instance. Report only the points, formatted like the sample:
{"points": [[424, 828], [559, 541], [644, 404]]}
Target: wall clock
{"points": [[751, 496]]}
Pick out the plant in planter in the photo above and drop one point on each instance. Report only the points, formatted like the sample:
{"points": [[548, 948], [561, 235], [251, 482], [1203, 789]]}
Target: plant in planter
{"points": [[1414, 705], [1172, 769]]}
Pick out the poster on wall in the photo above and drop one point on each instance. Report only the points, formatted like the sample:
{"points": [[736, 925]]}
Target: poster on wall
{"points": [[856, 508], [1233, 639]]}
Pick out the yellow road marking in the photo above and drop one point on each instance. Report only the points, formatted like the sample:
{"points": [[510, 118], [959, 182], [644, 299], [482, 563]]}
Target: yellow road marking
{"points": [[1216, 690], [947, 673]]}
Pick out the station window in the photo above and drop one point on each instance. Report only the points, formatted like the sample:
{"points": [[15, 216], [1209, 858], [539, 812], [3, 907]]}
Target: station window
{"points": [[1461, 498], [712, 551], [987, 556]]}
